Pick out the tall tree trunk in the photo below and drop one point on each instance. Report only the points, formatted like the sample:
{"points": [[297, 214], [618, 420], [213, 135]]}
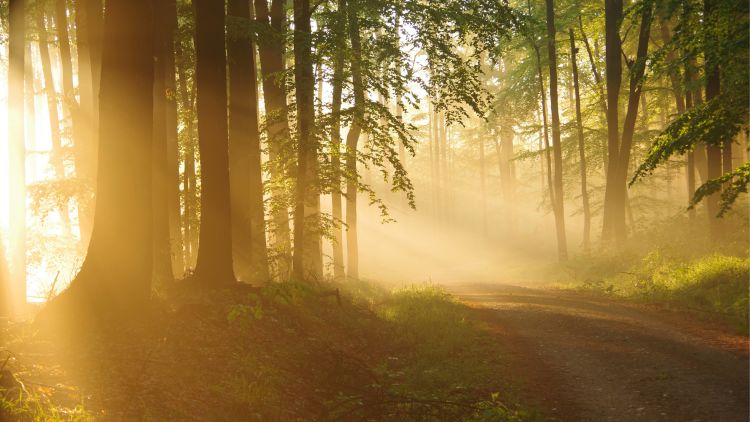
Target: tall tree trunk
{"points": [[613, 45], [115, 277], [17, 154], [482, 181], [248, 221], [306, 144], [214, 265], [558, 205], [271, 53], [581, 147], [189, 217], [713, 150], [57, 160], [547, 148], [161, 177], [173, 152], [338, 88], [619, 196], [352, 139]]}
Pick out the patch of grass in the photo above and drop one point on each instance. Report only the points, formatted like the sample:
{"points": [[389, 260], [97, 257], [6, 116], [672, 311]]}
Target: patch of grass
{"points": [[716, 284]]}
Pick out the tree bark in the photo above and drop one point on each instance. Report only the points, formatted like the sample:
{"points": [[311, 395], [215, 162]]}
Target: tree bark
{"points": [[581, 147], [713, 149], [246, 180], [558, 205], [214, 265]]}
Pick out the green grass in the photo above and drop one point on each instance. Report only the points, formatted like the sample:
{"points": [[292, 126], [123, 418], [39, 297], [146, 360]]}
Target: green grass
{"points": [[715, 284]]}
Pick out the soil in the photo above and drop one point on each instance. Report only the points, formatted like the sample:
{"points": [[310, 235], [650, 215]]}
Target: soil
{"points": [[592, 359]]}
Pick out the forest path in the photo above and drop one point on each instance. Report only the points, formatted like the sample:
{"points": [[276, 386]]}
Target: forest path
{"points": [[586, 359]]}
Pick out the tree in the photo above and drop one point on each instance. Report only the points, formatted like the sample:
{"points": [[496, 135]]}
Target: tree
{"points": [[116, 274], [248, 221], [558, 205], [581, 146], [214, 264], [338, 88]]}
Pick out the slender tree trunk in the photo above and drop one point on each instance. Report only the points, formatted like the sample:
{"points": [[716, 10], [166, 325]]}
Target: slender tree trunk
{"points": [[338, 85], [248, 221], [173, 152], [17, 153], [352, 138], [305, 96], [214, 264], [271, 53], [57, 155], [547, 148], [581, 147], [482, 181], [618, 198], [115, 277], [612, 18], [161, 176], [558, 205], [713, 151]]}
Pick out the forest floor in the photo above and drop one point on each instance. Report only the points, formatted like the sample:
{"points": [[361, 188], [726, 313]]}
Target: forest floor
{"points": [[584, 358]]}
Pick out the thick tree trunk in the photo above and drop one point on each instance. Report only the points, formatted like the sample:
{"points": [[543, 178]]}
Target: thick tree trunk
{"points": [[558, 205], [305, 189], [161, 177], [338, 85], [17, 154], [612, 18], [56, 158], [271, 53], [352, 139], [713, 150], [581, 147], [246, 180], [115, 277], [214, 265]]}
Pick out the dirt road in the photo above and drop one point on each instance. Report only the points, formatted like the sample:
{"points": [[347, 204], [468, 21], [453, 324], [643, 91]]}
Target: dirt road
{"points": [[587, 359]]}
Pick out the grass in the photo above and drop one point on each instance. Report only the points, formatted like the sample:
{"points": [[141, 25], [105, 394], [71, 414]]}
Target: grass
{"points": [[714, 284], [285, 352]]}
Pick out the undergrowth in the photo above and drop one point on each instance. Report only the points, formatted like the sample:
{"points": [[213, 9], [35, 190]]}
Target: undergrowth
{"points": [[286, 352]]}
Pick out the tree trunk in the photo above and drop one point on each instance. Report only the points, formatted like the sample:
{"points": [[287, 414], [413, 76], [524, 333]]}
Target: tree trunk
{"points": [[547, 153], [482, 181], [618, 191], [352, 138], [581, 147], [558, 205], [57, 154], [271, 53], [713, 150], [306, 145], [17, 154], [115, 277], [161, 177], [173, 152], [612, 18], [214, 265], [248, 220], [338, 85]]}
